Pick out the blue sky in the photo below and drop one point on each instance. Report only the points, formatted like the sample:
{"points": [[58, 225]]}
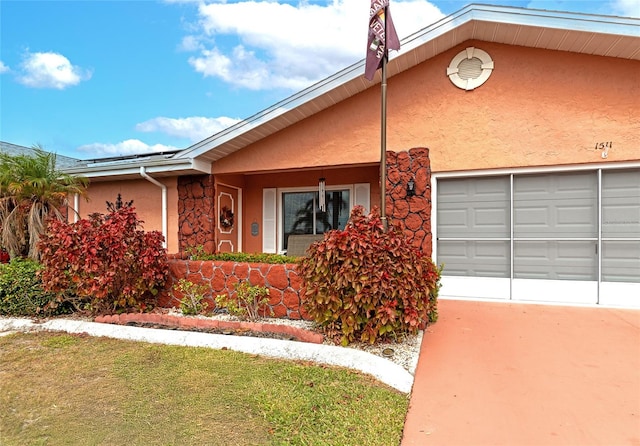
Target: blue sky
{"points": [[93, 79]]}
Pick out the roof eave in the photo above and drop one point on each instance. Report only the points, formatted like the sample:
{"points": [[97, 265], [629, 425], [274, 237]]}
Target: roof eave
{"points": [[130, 170]]}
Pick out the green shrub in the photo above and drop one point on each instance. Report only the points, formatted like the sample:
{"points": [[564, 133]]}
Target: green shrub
{"points": [[193, 294], [198, 253], [252, 258], [105, 263], [21, 292], [363, 283], [247, 302]]}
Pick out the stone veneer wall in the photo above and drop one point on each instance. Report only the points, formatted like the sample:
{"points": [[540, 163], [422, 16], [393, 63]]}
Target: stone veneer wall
{"points": [[411, 214], [196, 204], [282, 280]]}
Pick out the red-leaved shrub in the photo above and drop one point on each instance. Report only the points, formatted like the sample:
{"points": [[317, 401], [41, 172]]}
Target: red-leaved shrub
{"points": [[106, 261], [4, 256], [365, 284]]}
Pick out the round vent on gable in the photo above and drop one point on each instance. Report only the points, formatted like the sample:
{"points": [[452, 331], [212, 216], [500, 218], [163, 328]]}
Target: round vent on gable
{"points": [[470, 68]]}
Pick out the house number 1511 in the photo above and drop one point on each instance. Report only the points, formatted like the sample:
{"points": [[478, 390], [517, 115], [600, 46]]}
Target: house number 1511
{"points": [[603, 145]]}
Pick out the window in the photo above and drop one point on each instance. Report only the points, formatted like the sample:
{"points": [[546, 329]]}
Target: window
{"points": [[301, 213], [292, 210]]}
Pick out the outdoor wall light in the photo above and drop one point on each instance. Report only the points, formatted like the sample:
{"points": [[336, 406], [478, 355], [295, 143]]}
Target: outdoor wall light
{"points": [[411, 188]]}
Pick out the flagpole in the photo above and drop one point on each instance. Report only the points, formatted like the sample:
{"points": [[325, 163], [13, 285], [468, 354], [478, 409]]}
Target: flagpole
{"points": [[383, 134], [382, 36], [383, 144]]}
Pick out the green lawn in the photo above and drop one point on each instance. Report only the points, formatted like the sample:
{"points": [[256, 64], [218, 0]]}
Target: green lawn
{"points": [[60, 389]]}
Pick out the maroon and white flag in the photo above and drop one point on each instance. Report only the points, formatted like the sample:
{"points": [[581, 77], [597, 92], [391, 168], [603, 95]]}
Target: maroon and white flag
{"points": [[382, 36]]}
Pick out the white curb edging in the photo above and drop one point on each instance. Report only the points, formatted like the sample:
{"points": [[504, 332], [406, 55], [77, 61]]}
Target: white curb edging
{"points": [[384, 370]]}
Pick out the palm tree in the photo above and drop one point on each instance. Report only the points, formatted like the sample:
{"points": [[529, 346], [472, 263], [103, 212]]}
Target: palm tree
{"points": [[31, 191]]}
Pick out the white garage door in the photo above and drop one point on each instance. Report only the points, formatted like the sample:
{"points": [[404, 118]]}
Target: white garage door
{"points": [[569, 237]]}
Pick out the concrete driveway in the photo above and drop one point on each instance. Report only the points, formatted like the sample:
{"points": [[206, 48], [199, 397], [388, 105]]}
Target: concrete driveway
{"points": [[494, 373]]}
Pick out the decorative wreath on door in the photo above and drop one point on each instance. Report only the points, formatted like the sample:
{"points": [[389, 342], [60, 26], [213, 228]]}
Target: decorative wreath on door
{"points": [[226, 218]]}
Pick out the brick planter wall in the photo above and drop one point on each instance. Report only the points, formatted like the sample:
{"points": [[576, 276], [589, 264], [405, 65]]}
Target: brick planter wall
{"points": [[411, 214], [282, 280]]}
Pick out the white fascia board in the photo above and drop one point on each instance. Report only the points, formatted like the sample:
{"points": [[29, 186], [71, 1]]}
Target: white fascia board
{"points": [[570, 21], [152, 167], [201, 166], [621, 26]]}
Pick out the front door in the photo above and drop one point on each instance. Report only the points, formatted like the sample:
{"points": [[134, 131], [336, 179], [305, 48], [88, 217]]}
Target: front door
{"points": [[228, 224]]}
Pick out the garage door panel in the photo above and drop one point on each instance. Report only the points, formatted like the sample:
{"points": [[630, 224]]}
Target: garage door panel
{"points": [[454, 222], [621, 220], [621, 183], [565, 186], [577, 217], [556, 220], [555, 205], [473, 208], [558, 260], [451, 191], [474, 258], [483, 189], [532, 220], [621, 203], [492, 221], [621, 261]]}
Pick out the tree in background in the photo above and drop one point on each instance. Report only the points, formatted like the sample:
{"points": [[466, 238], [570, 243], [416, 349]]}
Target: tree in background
{"points": [[31, 191]]}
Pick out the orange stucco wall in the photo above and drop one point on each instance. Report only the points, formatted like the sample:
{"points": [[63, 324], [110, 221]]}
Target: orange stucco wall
{"points": [[253, 185], [147, 199], [538, 108]]}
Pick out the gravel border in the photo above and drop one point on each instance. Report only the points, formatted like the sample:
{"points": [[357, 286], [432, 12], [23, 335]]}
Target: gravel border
{"points": [[405, 352]]}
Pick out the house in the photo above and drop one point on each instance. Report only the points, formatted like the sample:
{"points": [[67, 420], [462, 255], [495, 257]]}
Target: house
{"points": [[513, 156]]}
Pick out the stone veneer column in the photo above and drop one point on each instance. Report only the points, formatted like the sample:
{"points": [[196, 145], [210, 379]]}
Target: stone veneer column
{"points": [[196, 222], [410, 214]]}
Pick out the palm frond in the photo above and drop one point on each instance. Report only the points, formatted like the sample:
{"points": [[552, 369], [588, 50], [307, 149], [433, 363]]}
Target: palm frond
{"points": [[31, 190]]}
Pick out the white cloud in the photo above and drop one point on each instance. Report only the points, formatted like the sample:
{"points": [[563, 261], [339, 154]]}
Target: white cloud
{"points": [[280, 45], [195, 128], [50, 70], [3, 67], [128, 147], [190, 43], [627, 8]]}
